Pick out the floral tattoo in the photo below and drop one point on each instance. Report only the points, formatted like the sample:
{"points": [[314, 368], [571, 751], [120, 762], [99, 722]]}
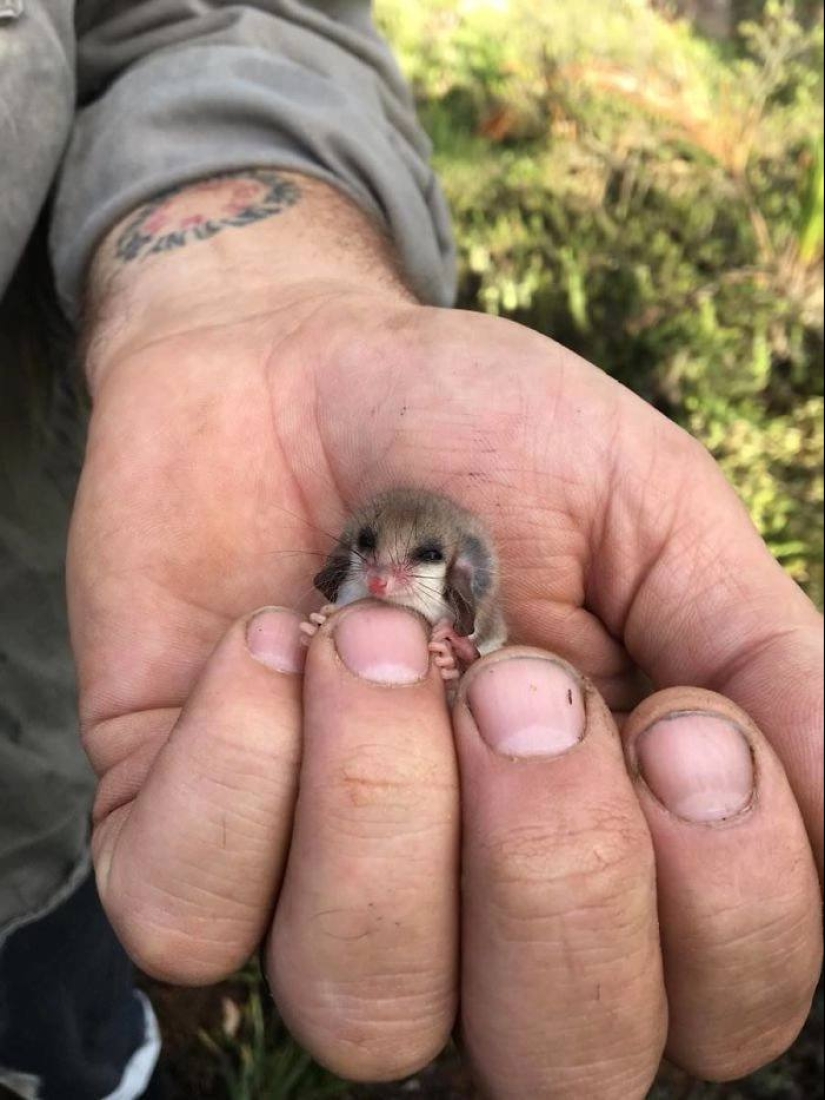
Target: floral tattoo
{"points": [[198, 211]]}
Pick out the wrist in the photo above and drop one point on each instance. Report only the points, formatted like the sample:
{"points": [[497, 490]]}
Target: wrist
{"points": [[227, 249]]}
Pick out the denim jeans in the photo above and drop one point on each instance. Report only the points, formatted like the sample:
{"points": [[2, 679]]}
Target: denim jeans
{"points": [[72, 1024]]}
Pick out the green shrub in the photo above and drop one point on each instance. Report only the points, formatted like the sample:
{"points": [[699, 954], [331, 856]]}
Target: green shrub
{"points": [[654, 202]]}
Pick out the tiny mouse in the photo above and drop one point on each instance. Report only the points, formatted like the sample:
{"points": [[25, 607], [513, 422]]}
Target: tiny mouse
{"points": [[423, 551]]}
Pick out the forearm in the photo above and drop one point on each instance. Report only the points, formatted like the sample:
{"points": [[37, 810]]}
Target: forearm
{"points": [[220, 250]]}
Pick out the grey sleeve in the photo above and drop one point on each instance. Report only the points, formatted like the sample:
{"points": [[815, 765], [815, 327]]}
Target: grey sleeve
{"points": [[174, 90]]}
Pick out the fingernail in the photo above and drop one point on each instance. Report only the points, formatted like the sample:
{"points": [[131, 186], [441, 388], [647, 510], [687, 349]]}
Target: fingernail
{"points": [[383, 644], [273, 637], [526, 706], [699, 766]]}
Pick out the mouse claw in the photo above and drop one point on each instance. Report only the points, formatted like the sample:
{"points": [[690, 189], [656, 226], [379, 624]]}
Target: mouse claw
{"points": [[310, 626], [320, 617], [444, 657], [452, 652], [446, 640], [314, 621]]}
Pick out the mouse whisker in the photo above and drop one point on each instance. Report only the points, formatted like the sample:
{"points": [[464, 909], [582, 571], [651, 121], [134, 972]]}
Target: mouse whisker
{"points": [[280, 553], [434, 590]]}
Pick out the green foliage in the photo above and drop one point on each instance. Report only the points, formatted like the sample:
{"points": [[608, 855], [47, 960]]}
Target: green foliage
{"points": [[809, 227], [257, 1057], [653, 201]]}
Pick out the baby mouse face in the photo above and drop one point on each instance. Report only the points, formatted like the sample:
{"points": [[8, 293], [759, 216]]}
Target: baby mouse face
{"points": [[400, 565], [416, 549]]}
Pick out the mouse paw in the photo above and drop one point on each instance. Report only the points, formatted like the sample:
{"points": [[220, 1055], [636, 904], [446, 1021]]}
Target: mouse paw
{"points": [[444, 660], [310, 627], [449, 649]]}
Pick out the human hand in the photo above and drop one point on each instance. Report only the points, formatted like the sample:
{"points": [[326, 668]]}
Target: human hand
{"points": [[224, 436]]}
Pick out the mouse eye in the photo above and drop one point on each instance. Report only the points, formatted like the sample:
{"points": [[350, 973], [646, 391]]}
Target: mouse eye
{"points": [[366, 539], [429, 553]]}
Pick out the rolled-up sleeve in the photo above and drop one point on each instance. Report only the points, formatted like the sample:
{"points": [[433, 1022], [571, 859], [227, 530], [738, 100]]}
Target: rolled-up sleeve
{"points": [[175, 90]]}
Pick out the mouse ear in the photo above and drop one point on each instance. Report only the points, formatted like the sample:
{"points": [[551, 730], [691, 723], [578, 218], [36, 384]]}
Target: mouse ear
{"points": [[459, 596], [333, 575], [468, 580]]}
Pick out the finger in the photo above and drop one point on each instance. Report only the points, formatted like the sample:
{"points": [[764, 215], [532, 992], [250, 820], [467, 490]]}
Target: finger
{"points": [[738, 893], [684, 577], [362, 958], [562, 992], [188, 868]]}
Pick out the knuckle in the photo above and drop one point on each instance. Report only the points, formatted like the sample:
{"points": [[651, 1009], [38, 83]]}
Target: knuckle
{"points": [[535, 872], [373, 774], [379, 786], [384, 768]]}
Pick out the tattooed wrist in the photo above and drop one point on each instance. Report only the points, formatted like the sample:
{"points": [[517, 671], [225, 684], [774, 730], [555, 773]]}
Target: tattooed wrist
{"points": [[226, 249], [198, 211]]}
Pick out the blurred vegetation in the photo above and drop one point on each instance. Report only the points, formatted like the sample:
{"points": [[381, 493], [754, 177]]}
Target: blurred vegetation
{"points": [[257, 1058], [652, 200]]}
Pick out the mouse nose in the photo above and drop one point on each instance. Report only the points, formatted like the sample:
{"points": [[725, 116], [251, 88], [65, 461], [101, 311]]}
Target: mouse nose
{"points": [[377, 585]]}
